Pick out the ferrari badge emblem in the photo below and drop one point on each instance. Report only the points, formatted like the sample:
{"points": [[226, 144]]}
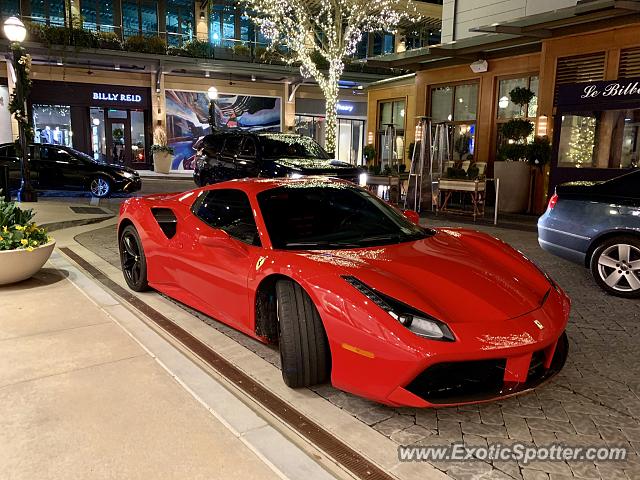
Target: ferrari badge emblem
{"points": [[260, 262], [538, 324]]}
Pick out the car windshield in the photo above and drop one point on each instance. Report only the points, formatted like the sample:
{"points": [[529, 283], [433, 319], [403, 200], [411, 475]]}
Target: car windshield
{"points": [[290, 146], [330, 216], [81, 155]]}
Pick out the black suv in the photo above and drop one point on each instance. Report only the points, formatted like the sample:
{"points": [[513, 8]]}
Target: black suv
{"points": [[231, 154], [56, 167]]}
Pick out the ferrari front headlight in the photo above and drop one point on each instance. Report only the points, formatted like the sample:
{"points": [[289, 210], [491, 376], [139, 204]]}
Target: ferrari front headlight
{"points": [[417, 322]]}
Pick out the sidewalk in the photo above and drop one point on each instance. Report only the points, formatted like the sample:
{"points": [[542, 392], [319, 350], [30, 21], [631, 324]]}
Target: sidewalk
{"points": [[82, 399]]}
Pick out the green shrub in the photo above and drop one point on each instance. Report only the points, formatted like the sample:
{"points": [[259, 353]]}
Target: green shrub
{"points": [[517, 129], [512, 151], [521, 96], [109, 41], [80, 38], [142, 44], [241, 50], [539, 151], [17, 231], [198, 49]]}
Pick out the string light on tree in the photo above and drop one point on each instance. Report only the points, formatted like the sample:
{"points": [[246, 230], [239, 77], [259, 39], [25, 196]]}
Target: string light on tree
{"points": [[320, 35], [582, 140]]}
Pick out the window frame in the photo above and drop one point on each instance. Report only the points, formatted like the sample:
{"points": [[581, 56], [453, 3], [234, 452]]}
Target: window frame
{"points": [[400, 132], [498, 122], [453, 124], [206, 193]]}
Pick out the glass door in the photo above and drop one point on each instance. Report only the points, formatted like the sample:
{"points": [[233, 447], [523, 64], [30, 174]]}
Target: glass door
{"points": [[118, 136]]}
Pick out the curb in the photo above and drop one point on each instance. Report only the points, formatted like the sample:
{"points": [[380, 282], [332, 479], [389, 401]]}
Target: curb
{"points": [[53, 226]]}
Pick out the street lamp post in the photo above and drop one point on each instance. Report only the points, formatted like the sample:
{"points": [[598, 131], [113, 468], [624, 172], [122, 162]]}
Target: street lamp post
{"points": [[212, 93], [16, 32]]}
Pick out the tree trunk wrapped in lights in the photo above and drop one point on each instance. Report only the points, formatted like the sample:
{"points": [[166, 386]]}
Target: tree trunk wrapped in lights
{"points": [[326, 32]]}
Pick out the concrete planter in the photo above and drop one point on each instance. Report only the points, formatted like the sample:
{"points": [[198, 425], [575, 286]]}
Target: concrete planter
{"points": [[18, 265], [515, 179], [162, 162]]}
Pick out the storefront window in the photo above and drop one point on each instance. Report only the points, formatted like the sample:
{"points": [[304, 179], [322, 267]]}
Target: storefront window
{"points": [[97, 15], [137, 136], [98, 140], [52, 124], [457, 106], [349, 140], [222, 23], [139, 17], [506, 108], [391, 119], [383, 43], [50, 12], [9, 8], [180, 20], [602, 139], [442, 104]]}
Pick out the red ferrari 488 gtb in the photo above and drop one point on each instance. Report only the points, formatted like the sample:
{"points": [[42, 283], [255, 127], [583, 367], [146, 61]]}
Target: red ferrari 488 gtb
{"points": [[351, 289]]}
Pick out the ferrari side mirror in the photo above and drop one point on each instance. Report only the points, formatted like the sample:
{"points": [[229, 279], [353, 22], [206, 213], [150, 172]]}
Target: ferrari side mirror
{"points": [[412, 215]]}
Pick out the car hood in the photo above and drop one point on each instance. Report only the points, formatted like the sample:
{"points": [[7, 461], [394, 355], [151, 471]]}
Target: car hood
{"points": [[456, 275], [314, 164], [115, 166]]}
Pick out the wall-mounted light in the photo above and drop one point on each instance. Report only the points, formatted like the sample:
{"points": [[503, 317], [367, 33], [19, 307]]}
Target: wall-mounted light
{"points": [[253, 78], [542, 126], [202, 15], [207, 74], [117, 66], [370, 138]]}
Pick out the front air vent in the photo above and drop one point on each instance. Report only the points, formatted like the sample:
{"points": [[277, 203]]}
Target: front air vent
{"points": [[167, 221]]}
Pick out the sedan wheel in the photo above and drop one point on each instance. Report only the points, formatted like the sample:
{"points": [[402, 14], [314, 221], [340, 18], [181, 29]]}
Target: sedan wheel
{"points": [[132, 259], [616, 266], [100, 187]]}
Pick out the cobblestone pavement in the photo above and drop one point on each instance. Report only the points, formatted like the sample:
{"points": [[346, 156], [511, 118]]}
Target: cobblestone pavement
{"points": [[594, 401]]}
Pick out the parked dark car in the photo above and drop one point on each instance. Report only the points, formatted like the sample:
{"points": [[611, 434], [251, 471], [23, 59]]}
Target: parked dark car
{"points": [[56, 167], [597, 224], [228, 155]]}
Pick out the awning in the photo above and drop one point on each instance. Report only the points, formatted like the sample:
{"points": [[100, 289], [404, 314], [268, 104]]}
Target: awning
{"points": [[520, 35]]}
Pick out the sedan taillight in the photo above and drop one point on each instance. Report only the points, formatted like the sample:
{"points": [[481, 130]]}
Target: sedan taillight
{"points": [[552, 201]]}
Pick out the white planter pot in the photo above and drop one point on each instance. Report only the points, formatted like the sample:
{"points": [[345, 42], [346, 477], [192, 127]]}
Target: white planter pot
{"points": [[18, 265], [162, 162], [515, 179]]}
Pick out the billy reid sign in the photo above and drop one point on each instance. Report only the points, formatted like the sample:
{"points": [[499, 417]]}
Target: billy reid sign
{"points": [[117, 97], [602, 95]]}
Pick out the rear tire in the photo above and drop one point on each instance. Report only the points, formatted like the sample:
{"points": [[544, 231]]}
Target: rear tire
{"points": [[133, 260], [615, 266], [304, 349]]}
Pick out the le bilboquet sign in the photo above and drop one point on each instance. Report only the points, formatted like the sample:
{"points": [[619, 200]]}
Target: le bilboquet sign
{"points": [[604, 95]]}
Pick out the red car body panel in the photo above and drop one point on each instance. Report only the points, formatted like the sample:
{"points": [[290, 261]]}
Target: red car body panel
{"points": [[497, 304]]}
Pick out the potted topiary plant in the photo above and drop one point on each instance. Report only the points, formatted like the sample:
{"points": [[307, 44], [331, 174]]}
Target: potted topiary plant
{"points": [[162, 152], [512, 168], [24, 246]]}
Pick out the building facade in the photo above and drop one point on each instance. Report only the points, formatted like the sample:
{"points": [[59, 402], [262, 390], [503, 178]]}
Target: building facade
{"points": [[107, 73], [582, 63]]}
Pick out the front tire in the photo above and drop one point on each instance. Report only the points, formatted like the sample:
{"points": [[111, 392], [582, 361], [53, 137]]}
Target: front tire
{"points": [[615, 265], [304, 349], [133, 260], [100, 186]]}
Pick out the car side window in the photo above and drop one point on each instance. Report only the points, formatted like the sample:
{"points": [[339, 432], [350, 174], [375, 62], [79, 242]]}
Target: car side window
{"points": [[228, 210], [249, 148], [232, 146], [45, 154]]}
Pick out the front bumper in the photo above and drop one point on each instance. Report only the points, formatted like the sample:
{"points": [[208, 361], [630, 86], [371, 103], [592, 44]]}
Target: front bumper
{"points": [[381, 360], [127, 185], [455, 383]]}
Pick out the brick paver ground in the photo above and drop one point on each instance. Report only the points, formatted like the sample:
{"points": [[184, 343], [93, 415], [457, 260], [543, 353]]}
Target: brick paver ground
{"points": [[593, 401]]}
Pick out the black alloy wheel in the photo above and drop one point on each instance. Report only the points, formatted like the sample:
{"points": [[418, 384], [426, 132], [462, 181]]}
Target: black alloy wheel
{"points": [[132, 259]]}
